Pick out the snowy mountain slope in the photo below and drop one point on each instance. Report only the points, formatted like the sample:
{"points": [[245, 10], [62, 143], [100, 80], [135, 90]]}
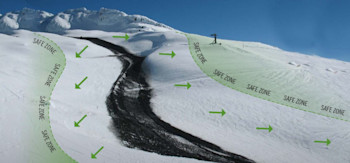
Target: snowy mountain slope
{"points": [[104, 19], [290, 141], [67, 104], [294, 130]]}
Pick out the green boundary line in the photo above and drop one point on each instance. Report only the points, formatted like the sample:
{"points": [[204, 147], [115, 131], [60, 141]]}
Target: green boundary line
{"points": [[189, 46], [49, 99]]}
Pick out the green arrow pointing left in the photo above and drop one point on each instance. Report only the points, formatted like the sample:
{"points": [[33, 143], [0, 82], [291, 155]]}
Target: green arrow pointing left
{"points": [[77, 86], [76, 124], [77, 55], [126, 37], [93, 155]]}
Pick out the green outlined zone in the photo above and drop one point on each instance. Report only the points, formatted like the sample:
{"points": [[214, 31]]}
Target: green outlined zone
{"points": [[49, 63], [266, 76]]}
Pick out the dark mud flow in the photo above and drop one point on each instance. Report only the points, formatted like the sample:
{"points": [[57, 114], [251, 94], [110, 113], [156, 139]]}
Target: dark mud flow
{"points": [[138, 127]]}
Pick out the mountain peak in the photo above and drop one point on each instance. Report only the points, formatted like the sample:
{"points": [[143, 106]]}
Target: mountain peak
{"points": [[110, 20]]}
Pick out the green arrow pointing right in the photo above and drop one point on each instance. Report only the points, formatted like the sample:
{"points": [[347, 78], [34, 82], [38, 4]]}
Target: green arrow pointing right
{"points": [[326, 142], [126, 37], [222, 112], [172, 54], [261, 128], [188, 85]]}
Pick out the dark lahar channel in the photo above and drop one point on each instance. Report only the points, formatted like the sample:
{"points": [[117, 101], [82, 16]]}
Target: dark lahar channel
{"points": [[138, 127]]}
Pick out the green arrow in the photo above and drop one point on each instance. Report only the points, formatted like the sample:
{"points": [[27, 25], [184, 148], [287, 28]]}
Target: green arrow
{"points": [[218, 112], [126, 37], [76, 124], [93, 156], [77, 86], [326, 142], [260, 128], [172, 54], [188, 85], [77, 55]]}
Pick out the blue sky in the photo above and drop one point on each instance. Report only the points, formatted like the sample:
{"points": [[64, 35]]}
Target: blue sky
{"points": [[320, 27]]}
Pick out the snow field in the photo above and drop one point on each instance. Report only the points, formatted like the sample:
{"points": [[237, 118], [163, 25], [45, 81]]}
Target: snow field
{"points": [[293, 130]]}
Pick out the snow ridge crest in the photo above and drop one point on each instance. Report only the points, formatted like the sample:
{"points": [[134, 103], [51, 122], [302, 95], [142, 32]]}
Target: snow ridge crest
{"points": [[109, 20]]}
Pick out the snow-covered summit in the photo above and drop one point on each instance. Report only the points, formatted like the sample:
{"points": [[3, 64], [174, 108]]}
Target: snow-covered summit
{"points": [[110, 20]]}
